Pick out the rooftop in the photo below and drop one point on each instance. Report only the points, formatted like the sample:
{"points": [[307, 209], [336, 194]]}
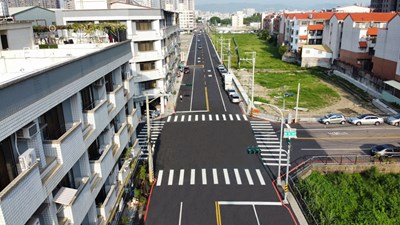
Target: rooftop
{"points": [[16, 64]]}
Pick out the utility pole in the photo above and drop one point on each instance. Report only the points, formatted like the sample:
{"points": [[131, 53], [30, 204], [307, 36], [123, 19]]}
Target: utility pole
{"points": [[253, 61], [222, 56], [149, 150]]}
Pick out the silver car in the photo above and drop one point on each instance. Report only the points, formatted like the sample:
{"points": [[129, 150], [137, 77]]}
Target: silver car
{"points": [[394, 120], [366, 119], [332, 118], [388, 150]]}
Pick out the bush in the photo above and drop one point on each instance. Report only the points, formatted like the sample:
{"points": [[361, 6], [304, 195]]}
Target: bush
{"points": [[282, 49], [44, 46]]}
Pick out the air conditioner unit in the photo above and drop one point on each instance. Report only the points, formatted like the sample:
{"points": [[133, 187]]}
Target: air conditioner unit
{"points": [[99, 82], [33, 221], [28, 131], [27, 159]]}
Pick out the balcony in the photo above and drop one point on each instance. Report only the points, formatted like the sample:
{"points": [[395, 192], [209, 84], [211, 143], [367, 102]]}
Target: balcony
{"points": [[104, 164], [125, 171], [105, 209], [145, 35], [147, 56], [117, 99], [97, 119], [149, 75], [121, 139], [133, 121], [23, 195], [154, 91], [170, 30], [74, 203], [129, 85]]}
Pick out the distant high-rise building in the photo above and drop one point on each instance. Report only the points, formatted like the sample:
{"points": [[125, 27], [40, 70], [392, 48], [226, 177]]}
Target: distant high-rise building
{"points": [[41, 3], [385, 5], [237, 19], [187, 16]]}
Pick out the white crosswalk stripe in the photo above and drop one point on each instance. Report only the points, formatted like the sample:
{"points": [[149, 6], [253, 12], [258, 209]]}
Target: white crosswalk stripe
{"points": [[196, 118], [176, 118], [183, 118], [224, 117], [245, 117], [268, 141], [190, 118], [230, 117], [215, 117], [169, 118], [203, 117], [238, 117], [210, 117], [156, 128], [184, 178]]}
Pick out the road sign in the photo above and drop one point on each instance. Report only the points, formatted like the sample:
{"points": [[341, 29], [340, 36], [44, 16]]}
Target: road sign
{"points": [[289, 133], [253, 150]]}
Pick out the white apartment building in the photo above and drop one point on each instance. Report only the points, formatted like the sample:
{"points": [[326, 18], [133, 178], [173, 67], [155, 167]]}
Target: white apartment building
{"points": [[187, 15], [332, 34], [67, 120], [155, 45], [237, 19]]}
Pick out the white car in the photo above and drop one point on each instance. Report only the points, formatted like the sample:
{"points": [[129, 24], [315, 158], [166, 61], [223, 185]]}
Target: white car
{"points": [[394, 120], [366, 119], [230, 91], [234, 98]]}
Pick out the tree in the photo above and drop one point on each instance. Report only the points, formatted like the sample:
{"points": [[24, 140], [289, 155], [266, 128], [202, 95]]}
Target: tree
{"points": [[226, 22], [282, 49], [264, 35], [215, 20], [256, 17]]}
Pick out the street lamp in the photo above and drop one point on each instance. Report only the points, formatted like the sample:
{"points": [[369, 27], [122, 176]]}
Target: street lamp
{"points": [[279, 181], [149, 150]]}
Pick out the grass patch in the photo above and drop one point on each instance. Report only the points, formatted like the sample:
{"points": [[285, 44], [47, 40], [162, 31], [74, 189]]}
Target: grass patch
{"points": [[313, 93], [260, 99], [367, 198]]}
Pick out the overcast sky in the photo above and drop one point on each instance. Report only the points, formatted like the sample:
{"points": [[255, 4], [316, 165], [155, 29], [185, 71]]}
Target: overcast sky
{"points": [[291, 2]]}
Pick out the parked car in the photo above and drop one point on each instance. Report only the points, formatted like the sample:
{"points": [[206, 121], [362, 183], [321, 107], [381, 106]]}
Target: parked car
{"points": [[186, 69], [366, 119], [220, 67], [199, 47], [230, 91], [234, 98], [394, 120], [333, 118], [388, 150]]}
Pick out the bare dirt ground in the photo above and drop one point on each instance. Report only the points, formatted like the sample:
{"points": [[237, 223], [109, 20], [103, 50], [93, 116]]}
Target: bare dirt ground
{"points": [[348, 105]]}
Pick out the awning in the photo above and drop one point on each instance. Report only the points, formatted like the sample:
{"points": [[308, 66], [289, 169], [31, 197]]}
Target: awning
{"points": [[303, 37], [315, 27], [393, 83], [373, 31], [363, 44], [65, 196]]}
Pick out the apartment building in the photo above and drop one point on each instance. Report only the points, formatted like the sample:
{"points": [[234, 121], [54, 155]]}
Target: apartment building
{"points": [[237, 19], [187, 15], [332, 34], [155, 45], [41, 3], [67, 130], [359, 37], [270, 22], [385, 5], [386, 60]]}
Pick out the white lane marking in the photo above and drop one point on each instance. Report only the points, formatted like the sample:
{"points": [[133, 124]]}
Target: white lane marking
{"points": [[238, 117], [334, 149], [230, 117], [192, 176], [190, 118], [204, 176], [194, 74], [217, 117], [210, 117], [260, 177], [237, 175], [169, 118], [182, 118], [196, 117], [247, 203], [203, 117], [215, 176], [255, 212], [159, 178], [176, 118], [171, 177], [249, 177], [227, 181], [180, 214], [181, 176], [224, 117], [245, 117]]}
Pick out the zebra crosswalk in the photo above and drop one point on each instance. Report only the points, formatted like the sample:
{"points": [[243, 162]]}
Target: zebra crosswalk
{"points": [[268, 141], [156, 128], [212, 176], [206, 117]]}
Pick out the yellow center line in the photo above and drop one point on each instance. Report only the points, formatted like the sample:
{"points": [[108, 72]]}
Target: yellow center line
{"points": [[347, 138], [207, 105], [218, 213]]}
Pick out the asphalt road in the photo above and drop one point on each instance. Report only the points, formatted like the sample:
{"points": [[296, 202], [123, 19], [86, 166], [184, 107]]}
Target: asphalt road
{"points": [[203, 173]]}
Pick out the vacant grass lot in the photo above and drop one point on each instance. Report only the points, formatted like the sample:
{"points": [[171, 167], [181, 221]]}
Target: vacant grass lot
{"points": [[272, 73], [371, 198]]}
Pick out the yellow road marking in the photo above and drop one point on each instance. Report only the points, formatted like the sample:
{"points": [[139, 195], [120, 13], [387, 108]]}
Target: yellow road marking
{"points": [[347, 138], [218, 213], [207, 105]]}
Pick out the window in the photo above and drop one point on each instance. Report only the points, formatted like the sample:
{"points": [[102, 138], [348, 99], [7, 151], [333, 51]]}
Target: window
{"points": [[87, 98], [4, 41], [150, 84], [319, 32], [8, 169], [143, 25], [147, 66], [145, 46], [109, 82], [53, 122], [297, 32]]}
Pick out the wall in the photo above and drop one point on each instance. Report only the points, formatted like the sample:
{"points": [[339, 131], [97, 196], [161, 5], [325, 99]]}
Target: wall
{"points": [[352, 57], [384, 69], [37, 14]]}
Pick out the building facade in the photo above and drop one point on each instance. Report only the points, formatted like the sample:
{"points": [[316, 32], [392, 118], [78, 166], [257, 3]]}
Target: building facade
{"points": [[187, 15], [385, 5], [41, 3], [68, 140], [237, 19]]}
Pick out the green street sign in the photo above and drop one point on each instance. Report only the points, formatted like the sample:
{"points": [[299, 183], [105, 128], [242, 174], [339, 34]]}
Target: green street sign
{"points": [[289, 133], [253, 150]]}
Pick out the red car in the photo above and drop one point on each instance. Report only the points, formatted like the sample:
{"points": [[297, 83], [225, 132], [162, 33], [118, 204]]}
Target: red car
{"points": [[186, 70]]}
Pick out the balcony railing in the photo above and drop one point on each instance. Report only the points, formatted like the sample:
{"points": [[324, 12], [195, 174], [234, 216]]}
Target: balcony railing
{"points": [[117, 99], [124, 172], [121, 139], [133, 121], [145, 35], [107, 206], [129, 85], [104, 164], [96, 119], [147, 56], [149, 75], [20, 198], [154, 91]]}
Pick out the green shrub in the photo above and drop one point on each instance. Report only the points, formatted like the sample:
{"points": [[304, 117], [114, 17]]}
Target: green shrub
{"points": [[44, 46]]}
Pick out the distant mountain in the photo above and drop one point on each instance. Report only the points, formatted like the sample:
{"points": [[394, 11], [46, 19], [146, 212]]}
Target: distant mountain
{"points": [[261, 7]]}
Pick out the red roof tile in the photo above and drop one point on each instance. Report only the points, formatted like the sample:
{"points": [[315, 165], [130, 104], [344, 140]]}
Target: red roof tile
{"points": [[314, 16], [315, 27], [373, 31], [303, 37], [376, 17], [341, 16]]}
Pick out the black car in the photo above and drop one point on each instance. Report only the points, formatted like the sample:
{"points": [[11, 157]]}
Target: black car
{"points": [[386, 150]]}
